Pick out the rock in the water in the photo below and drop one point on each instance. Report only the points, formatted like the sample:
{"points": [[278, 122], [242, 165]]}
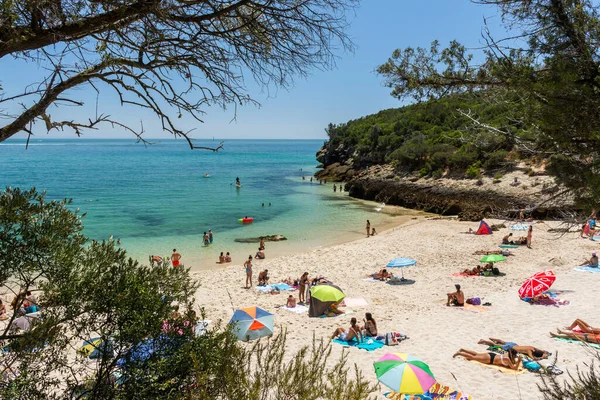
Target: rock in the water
{"points": [[268, 238]]}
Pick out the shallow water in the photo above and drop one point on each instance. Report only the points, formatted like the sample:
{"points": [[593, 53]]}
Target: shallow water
{"points": [[157, 198]]}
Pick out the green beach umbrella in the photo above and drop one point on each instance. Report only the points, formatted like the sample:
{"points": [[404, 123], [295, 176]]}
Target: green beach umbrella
{"points": [[327, 292], [493, 258]]}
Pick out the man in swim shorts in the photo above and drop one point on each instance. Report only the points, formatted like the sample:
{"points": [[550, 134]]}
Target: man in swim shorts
{"points": [[175, 257], [456, 298]]}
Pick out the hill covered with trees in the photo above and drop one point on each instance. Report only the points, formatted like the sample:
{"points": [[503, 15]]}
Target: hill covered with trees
{"points": [[446, 137]]}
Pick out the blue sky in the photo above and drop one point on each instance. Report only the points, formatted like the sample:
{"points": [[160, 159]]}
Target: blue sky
{"points": [[350, 91]]}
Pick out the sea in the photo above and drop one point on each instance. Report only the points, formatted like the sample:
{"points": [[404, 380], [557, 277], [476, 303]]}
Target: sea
{"points": [[158, 197]]}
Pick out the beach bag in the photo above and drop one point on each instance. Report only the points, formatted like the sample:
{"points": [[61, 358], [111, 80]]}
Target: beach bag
{"points": [[531, 365], [495, 271], [390, 339], [476, 301]]}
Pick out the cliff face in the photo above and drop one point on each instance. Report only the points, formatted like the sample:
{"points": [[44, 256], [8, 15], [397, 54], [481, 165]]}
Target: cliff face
{"points": [[467, 198]]}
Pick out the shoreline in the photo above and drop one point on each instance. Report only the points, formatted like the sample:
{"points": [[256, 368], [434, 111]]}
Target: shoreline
{"points": [[436, 332]]}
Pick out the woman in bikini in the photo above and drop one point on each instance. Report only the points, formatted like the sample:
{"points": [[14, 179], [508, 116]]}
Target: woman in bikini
{"points": [[510, 360], [583, 327], [583, 336], [248, 266], [370, 327], [350, 334], [304, 282]]}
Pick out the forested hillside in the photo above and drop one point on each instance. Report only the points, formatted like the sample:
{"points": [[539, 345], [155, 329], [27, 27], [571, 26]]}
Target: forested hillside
{"points": [[434, 138]]}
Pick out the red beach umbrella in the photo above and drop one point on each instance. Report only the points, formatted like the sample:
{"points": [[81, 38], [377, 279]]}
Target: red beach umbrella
{"points": [[537, 284]]}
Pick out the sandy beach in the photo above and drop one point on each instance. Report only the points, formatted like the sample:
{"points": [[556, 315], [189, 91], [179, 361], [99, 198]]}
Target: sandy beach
{"points": [[435, 331]]}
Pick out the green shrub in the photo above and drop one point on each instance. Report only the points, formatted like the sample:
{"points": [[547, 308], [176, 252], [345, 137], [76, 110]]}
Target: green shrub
{"points": [[498, 176], [437, 174], [462, 159], [473, 172]]}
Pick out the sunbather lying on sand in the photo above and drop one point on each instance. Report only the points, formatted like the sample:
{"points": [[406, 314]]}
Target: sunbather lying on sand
{"points": [[532, 352], [486, 252], [475, 271], [382, 275], [583, 327], [509, 360], [350, 334], [584, 337]]}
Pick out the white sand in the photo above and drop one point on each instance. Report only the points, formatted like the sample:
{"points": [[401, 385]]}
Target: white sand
{"points": [[436, 332]]}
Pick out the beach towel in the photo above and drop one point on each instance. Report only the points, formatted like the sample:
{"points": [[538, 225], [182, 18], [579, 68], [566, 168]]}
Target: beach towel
{"points": [[521, 370], [436, 392], [468, 307], [509, 246], [335, 315], [471, 275], [371, 280], [548, 298], [595, 345], [354, 302], [587, 268], [299, 309], [365, 345], [275, 286]]}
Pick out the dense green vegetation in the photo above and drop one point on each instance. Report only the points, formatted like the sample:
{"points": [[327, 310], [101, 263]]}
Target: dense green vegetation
{"points": [[433, 138]]}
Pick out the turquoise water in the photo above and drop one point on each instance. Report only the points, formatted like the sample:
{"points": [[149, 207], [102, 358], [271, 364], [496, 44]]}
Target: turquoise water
{"points": [[157, 198]]}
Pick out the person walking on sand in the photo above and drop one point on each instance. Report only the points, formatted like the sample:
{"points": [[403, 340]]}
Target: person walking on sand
{"points": [[248, 266], [368, 228], [210, 236], [175, 258], [529, 233]]}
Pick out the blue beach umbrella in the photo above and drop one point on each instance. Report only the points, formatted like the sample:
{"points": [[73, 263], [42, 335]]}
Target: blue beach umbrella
{"points": [[401, 263]]}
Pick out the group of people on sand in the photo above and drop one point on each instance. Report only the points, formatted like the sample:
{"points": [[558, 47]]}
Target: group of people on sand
{"points": [[175, 259], [224, 259], [304, 284], [487, 269], [357, 332], [370, 231], [523, 240], [509, 354]]}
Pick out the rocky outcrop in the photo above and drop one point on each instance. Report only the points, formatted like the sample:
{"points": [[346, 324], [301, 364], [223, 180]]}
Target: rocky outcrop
{"points": [[336, 172], [469, 199], [268, 238]]}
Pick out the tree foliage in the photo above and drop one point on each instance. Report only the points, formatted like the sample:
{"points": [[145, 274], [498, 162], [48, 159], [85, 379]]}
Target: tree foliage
{"points": [[147, 351], [432, 137], [550, 69], [170, 57]]}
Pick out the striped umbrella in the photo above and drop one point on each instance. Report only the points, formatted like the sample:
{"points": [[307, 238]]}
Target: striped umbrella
{"points": [[537, 284], [404, 373], [252, 323], [401, 263]]}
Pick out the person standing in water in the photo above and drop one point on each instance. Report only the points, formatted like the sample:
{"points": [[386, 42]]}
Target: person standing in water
{"points": [[368, 228], [175, 257], [334, 188], [237, 180], [205, 239], [210, 236]]}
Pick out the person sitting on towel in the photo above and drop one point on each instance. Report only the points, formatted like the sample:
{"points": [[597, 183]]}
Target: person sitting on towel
{"points": [[592, 262], [370, 327], [456, 298], [530, 351], [509, 360], [263, 278], [349, 335], [291, 301], [506, 239]]}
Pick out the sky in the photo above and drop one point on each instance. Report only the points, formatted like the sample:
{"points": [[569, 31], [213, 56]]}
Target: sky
{"points": [[349, 91]]}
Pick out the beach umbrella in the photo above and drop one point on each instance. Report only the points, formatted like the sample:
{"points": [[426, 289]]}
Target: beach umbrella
{"points": [[321, 297], [327, 292], [401, 263], [493, 258], [252, 323], [404, 373], [537, 284], [94, 347]]}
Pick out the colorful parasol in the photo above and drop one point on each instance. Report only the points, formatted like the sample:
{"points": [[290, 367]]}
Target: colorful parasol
{"points": [[404, 373], [537, 284], [252, 323], [493, 258]]}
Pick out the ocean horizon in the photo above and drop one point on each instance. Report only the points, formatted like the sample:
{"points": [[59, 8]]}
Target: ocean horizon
{"points": [[155, 198]]}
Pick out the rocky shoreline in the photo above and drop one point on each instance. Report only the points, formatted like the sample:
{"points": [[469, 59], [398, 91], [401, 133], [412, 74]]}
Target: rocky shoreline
{"points": [[470, 199]]}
